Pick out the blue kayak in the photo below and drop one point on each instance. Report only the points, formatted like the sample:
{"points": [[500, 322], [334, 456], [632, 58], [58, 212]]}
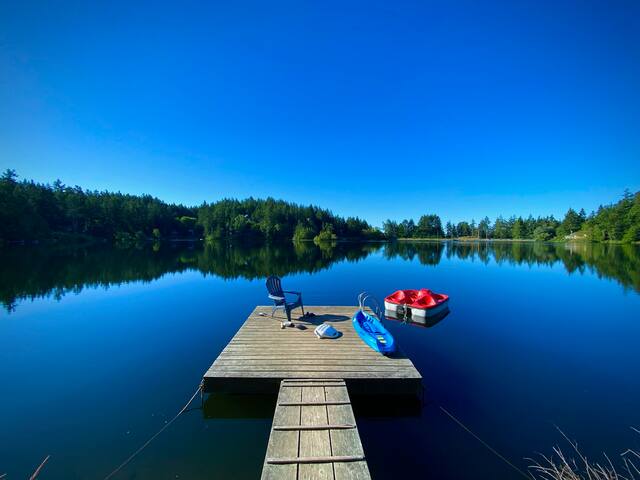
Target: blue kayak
{"points": [[373, 333]]}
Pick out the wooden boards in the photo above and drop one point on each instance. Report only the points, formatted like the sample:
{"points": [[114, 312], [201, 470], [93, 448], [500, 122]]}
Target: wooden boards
{"points": [[261, 354], [326, 444]]}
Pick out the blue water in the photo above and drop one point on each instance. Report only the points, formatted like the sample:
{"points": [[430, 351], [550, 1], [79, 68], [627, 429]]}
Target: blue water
{"points": [[98, 349]]}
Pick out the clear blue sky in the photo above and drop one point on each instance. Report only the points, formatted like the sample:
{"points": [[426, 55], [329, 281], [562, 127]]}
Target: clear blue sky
{"points": [[372, 109]]}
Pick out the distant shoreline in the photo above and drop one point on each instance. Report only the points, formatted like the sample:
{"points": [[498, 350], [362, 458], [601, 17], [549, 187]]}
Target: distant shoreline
{"points": [[56, 212], [472, 239], [87, 241], [511, 240]]}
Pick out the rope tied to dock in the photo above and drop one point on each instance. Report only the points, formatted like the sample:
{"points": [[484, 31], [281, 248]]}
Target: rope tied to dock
{"points": [[164, 427]]}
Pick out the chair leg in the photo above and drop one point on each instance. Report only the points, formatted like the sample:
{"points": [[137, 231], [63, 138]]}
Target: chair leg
{"points": [[288, 313], [302, 307], [273, 312]]}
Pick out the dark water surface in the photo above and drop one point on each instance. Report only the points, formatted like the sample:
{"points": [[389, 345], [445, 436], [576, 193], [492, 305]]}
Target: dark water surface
{"points": [[99, 347]]}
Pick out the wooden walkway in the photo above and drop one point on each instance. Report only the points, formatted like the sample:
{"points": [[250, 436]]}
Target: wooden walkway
{"points": [[314, 433], [261, 354]]}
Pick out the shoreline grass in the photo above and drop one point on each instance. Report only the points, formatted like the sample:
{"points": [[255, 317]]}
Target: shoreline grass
{"points": [[561, 466]]}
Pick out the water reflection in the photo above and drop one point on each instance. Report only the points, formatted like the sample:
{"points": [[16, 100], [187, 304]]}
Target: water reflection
{"points": [[425, 322], [617, 262], [428, 253], [33, 272]]}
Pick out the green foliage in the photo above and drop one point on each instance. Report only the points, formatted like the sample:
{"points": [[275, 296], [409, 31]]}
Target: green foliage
{"points": [[9, 176], [272, 220], [501, 228], [572, 223], [188, 223], [484, 228], [390, 229], [518, 229], [32, 211], [543, 233], [449, 230], [302, 232], [619, 222], [373, 233], [632, 234], [407, 229], [428, 226], [326, 235], [463, 229]]}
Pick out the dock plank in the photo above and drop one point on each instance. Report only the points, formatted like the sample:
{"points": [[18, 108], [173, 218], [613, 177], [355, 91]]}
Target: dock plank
{"points": [[261, 354], [314, 443], [345, 442], [330, 453], [283, 443]]}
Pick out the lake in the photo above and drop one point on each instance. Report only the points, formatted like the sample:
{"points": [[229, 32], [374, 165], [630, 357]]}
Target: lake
{"points": [[99, 347]]}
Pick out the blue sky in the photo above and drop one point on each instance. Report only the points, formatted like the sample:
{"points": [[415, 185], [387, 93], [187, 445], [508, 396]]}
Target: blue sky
{"points": [[376, 109]]}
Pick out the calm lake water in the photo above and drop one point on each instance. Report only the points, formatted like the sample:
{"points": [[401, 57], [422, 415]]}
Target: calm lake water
{"points": [[99, 347]]}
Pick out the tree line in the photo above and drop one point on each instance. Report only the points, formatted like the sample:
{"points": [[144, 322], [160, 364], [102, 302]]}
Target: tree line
{"points": [[33, 211], [272, 219], [617, 222]]}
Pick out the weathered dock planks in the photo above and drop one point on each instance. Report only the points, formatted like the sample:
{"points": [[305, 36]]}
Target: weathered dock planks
{"points": [[314, 433], [261, 354]]}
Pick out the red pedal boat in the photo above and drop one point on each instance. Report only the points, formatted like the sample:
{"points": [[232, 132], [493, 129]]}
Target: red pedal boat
{"points": [[419, 303]]}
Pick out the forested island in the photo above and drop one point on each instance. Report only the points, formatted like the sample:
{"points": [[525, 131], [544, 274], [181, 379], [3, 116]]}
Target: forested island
{"points": [[31, 211]]}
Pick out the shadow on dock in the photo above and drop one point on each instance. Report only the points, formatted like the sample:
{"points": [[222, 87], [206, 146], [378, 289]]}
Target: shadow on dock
{"points": [[319, 319]]}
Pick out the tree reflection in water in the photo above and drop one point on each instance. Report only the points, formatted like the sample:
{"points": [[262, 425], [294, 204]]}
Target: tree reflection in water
{"points": [[35, 272]]}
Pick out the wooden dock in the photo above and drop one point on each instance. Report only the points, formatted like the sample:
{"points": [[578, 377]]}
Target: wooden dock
{"points": [[261, 355], [314, 433]]}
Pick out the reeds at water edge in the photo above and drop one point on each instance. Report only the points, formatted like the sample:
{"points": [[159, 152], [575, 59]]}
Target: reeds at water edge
{"points": [[560, 466]]}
